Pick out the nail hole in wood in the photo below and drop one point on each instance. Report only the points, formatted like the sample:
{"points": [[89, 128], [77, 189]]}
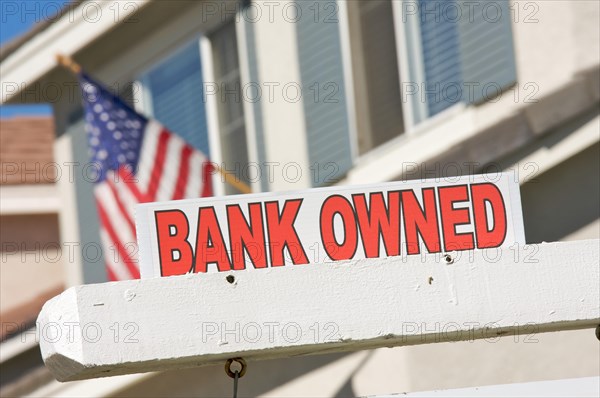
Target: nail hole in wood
{"points": [[430, 280], [230, 278]]}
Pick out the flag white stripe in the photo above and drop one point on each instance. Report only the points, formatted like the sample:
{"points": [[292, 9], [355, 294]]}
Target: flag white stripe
{"points": [[148, 154], [170, 173], [194, 183]]}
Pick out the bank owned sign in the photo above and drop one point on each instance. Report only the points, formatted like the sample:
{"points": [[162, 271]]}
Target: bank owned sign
{"points": [[329, 224]]}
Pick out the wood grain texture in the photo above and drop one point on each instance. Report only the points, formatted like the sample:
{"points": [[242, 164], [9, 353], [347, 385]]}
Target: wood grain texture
{"points": [[192, 320]]}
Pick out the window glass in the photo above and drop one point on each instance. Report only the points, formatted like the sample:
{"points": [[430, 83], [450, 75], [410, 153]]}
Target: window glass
{"points": [[230, 108], [175, 96], [375, 69]]}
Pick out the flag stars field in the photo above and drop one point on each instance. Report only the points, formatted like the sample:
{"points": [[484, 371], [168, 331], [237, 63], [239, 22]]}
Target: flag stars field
{"points": [[138, 160]]}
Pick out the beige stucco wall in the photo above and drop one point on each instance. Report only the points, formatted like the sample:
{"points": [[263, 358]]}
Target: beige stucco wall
{"points": [[554, 40]]}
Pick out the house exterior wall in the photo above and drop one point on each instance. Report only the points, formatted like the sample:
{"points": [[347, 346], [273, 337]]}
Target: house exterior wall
{"points": [[552, 109], [31, 260], [284, 123], [31, 263]]}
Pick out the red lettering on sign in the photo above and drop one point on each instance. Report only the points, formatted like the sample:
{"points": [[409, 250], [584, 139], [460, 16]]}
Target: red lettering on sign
{"points": [[379, 221], [172, 230], [210, 247], [480, 195], [282, 234], [421, 221], [246, 237], [338, 205], [452, 217]]}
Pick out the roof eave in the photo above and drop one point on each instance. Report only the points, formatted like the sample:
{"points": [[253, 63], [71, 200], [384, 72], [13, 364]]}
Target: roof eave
{"points": [[35, 56]]}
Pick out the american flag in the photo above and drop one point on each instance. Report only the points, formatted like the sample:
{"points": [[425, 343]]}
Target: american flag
{"points": [[137, 160]]}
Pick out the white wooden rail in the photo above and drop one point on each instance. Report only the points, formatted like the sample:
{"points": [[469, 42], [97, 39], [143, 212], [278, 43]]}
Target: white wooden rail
{"points": [[154, 324]]}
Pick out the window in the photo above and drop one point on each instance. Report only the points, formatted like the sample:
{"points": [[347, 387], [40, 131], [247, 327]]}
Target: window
{"points": [[408, 61], [464, 50], [325, 102], [375, 73], [191, 86], [173, 95], [441, 57], [232, 132]]}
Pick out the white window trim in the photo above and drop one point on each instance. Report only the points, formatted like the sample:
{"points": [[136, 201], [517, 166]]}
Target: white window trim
{"points": [[344, 27], [142, 100], [410, 65], [417, 131], [249, 119], [212, 114], [414, 112]]}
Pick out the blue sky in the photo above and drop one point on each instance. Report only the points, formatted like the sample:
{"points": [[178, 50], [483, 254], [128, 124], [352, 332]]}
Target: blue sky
{"points": [[16, 18]]}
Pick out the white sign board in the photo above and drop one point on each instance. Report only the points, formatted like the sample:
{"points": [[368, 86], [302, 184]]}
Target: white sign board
{"points": [[405, 218], [126, 327]]}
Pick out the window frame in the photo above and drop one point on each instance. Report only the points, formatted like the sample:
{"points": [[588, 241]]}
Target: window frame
{"points": [[410, 68], [249, 116], [143, 99]]}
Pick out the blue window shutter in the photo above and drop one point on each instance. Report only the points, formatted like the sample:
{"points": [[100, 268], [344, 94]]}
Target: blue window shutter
{"points": [[468, 53], [176, 92], [321, 68], [487, 51], [441, 56]]}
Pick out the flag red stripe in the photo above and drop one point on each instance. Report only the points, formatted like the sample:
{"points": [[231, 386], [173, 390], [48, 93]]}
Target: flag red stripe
{"points": [[122, 252], [124, 213], [110, 274], [159, 164], [184, 170]]}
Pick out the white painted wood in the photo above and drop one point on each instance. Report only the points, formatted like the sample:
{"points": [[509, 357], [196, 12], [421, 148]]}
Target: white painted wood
{"points": [[191, 320], [582, 387]]}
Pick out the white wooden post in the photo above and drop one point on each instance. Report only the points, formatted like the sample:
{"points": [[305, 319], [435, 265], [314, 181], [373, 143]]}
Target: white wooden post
{"points": [[191, 320]]}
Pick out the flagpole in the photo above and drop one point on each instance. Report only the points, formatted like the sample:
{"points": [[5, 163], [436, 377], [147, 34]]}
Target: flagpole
{"points": [[67, 62], [70, 64], [233, 180]]}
